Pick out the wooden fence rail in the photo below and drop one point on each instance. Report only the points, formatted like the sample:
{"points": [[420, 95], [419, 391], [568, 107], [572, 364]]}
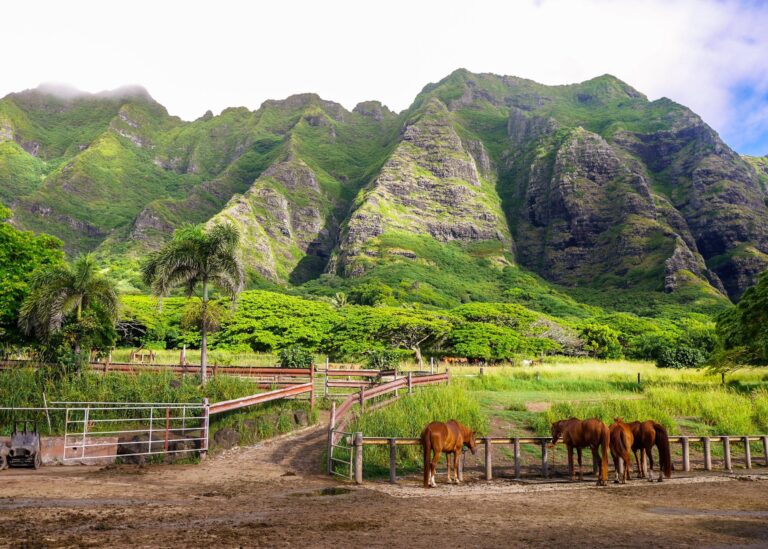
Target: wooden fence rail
{"points": [[358, 441]]}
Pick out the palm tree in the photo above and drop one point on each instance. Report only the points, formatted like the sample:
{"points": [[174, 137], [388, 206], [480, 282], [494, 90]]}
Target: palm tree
{"points": [[62, 290], [198, 257]]}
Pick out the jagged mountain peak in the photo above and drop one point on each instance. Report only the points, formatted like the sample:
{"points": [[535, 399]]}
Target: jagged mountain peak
{"points": [[586, 184]]}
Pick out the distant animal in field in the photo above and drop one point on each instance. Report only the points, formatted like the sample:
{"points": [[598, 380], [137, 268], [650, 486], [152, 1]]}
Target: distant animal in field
{"points": [[578, 434], [4, 451], [621, 446], [449, 439], [648, 434], [534, 362], [455, 360]]}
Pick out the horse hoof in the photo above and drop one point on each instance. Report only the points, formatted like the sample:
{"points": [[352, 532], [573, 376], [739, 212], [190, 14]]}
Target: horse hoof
{"points": [[616, 482]]}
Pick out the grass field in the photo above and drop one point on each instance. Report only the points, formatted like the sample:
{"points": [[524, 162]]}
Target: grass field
{"points": [[523, 401]]}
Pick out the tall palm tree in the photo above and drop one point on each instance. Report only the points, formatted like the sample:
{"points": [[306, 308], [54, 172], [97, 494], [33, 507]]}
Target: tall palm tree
{"points": [[63, 290], [198, 257]]}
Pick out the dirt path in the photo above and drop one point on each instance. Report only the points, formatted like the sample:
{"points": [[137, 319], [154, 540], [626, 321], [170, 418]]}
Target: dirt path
{"points": [[274, 495]]}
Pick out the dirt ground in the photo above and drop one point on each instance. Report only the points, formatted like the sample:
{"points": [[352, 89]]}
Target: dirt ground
{"points": [[273, 495]]}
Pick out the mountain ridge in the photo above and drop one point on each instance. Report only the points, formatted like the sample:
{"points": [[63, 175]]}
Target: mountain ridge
{"points": [[586, 184]]}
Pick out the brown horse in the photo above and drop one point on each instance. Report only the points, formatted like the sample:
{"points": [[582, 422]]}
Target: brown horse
{"points": [[621, 444], [648, 434], [590, 433], [445, 438]]}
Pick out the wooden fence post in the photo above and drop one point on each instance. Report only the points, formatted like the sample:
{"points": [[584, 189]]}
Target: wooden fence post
{"points": [[392, 461], [638, 378], [544, 459], [410, 382], [482, 371], [707, 454], [312, 382], [325, 383], [358, 446], [516, 446], [331, 427], [686, 454], [431, 365], [488, 458], [747, 453], [727, 453], [765, 449], [204, 430]]}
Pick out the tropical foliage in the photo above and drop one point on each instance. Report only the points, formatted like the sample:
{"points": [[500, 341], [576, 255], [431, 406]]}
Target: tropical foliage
{"points": [[198, 257]]}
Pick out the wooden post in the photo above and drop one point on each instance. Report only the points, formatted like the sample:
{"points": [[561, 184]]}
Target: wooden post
{"points": [[215, 369], [544, 459], [488, 458], [765, 449], [431, 365], [325, 384], [358, 447], [686, 454], [312, 381], [747, 453], [516, 446], [707, 454], [638, 378], [331, 427], [362, 398], [392, 461], [481, 371], [410, 382], [727, 453], [204, 430]]}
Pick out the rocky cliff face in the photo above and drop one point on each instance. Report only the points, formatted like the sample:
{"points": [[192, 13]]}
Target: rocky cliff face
{"points": [[587, 184], [288, 223], [434, 184]]}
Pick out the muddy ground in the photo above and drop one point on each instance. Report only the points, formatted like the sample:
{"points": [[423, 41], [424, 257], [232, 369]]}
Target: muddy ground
{"points": [[273, 495]]}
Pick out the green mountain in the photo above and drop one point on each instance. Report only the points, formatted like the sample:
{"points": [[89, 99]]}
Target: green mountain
{"points": [[483, 180]]}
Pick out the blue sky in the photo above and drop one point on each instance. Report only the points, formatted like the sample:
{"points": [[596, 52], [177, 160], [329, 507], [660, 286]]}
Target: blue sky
{"points": [[709, 55]]}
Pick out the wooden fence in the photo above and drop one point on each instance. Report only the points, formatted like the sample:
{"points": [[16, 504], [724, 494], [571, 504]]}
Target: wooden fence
{"points": [[341, 415], [358, 441]]}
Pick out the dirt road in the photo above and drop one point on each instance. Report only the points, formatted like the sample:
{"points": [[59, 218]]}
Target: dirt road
{"points": [[273, 495]]}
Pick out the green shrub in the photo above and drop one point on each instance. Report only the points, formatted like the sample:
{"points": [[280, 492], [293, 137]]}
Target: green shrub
{"points": [[382, 359], [295, 356]]}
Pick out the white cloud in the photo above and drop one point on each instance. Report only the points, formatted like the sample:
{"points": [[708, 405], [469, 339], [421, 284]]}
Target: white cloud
{"points": [[194, 56]]}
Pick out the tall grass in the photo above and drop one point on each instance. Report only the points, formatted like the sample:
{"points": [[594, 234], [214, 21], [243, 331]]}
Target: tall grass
{"points": [[407, 418], [24, 387], [717, 411]]}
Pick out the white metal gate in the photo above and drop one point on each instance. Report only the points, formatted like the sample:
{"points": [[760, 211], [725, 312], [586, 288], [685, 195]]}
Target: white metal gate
{"points": [[111, 430]]}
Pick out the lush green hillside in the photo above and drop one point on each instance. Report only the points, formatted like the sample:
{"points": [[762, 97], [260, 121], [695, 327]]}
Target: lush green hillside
{"points": [[610, 198]]}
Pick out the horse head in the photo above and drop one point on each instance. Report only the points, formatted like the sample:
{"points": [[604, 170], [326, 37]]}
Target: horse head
{"points": [[471, 442], [557, 430]]}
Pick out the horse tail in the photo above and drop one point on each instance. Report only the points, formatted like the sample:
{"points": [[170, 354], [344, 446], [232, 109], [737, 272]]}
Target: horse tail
{"points": [[426, 442], [606, 444], [662, 443]]}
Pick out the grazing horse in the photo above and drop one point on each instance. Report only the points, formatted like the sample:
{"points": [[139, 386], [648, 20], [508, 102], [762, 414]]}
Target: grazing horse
{"points": [[591, 433], [445, 438], [621, 444], [648, 434]]}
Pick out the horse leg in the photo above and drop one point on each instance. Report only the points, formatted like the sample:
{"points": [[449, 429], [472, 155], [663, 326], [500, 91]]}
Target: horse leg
{"points": [[579, 453], [637, 462], [570, 461], [456, 470], [433, 469], [448, 467], [617, 467]]}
